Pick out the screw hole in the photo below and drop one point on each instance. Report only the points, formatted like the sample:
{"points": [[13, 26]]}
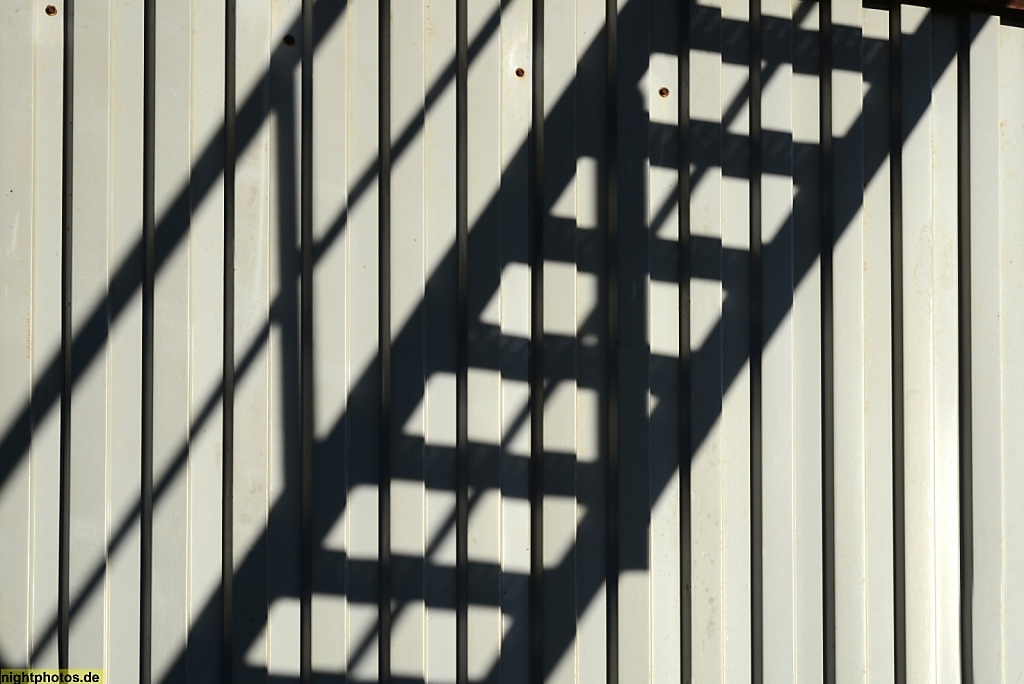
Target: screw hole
{"points": [[51, 10], [520, 72], [289, 40], [663, 92]]}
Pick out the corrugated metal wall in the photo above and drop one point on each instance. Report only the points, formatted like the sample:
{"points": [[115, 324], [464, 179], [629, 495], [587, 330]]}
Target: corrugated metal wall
{"points": [[511, 340]]}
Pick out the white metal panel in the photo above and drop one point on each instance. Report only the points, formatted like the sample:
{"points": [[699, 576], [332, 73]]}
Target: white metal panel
{"points": [[719, 220], [172, 328], [516, 309], [1011, 229], [986, 347], [27, 237], [591, 211], [440, 313], [862, 347], [206, 340], [484, 179], [362, 418], [106, 414], [409, 398], [593, 202], [331, 493], [790, 390], [660, 96], [849, 307], [267, 469], [48, 113], [560, 320], [632, 249], [930, 361], [808, 426]]}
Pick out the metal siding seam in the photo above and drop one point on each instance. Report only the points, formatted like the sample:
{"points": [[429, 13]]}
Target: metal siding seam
{"points": [[685, 379], [612, 564], [461, 346], [307, 418], [895, 150], [964, 389], [535, 260], [825, 247], [63, 621], [755, 333], [384, 151], [148, 312]]}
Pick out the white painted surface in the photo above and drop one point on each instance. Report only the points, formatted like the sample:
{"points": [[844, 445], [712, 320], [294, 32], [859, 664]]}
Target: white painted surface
{"points": [[687, 575]]}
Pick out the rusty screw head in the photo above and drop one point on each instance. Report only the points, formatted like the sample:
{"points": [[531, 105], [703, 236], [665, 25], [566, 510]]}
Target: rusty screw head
{"points": [[289, 40], [520, 72], [663, 92], [51, 10]]}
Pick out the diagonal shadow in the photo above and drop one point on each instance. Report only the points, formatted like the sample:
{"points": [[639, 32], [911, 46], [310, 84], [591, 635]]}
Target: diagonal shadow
{"points": [[169, 235]]}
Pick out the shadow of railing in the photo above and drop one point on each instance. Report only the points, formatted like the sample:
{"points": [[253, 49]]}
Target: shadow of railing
{"points": [[362, 580]]}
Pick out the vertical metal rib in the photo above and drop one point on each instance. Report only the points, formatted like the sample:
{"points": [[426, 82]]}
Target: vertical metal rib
{"points": [[686, 446], [827, 240], [384, 339], [66, 338], [896, 251], [756, 574], [462, 344], [965, 401], [536, 258], [306, 349], [612, 405], [227, 359], [149, 279]]}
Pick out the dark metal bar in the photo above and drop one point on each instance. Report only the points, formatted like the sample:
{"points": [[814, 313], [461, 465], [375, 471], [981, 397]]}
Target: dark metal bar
{"points": [[536, 257], [228, 358], [827, 241], [306, 346], [384, 339], [896, 251], [148, 313], [462, 344], [66, 338], [756, 343]]}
